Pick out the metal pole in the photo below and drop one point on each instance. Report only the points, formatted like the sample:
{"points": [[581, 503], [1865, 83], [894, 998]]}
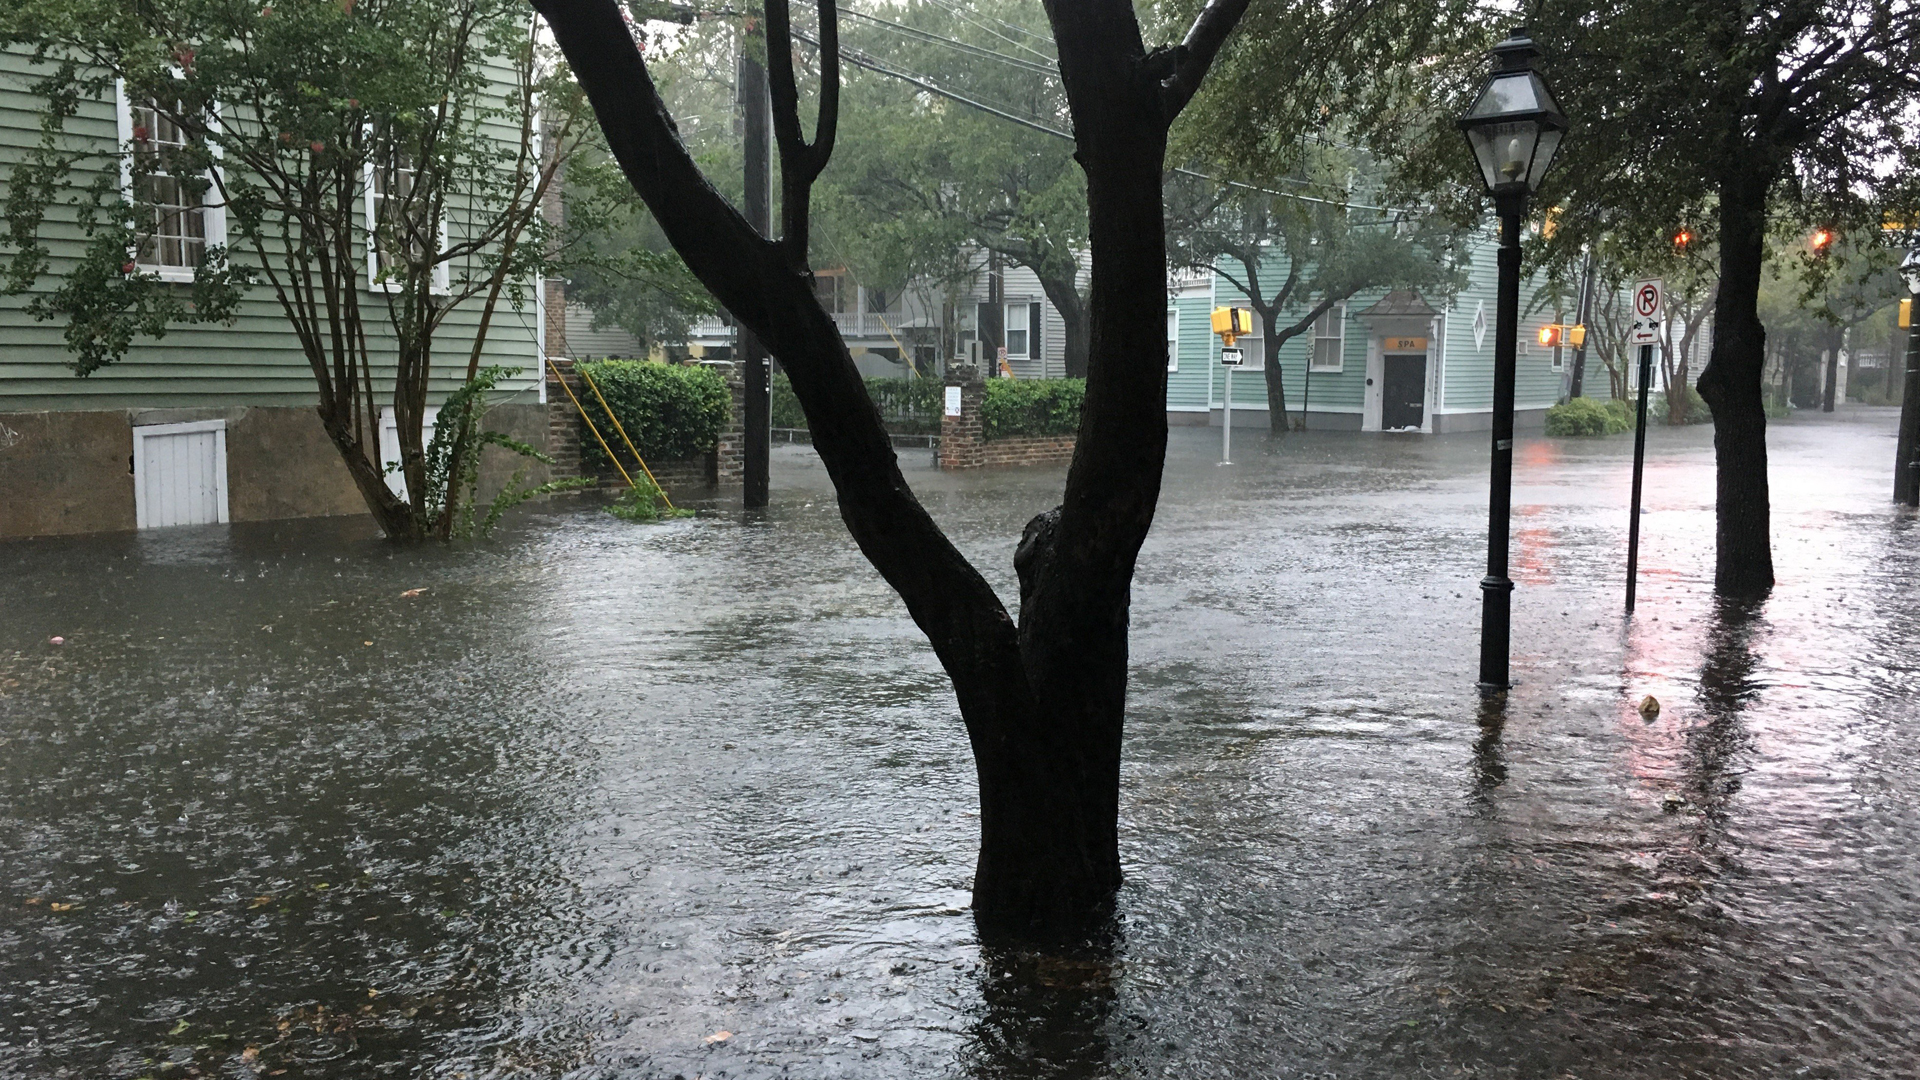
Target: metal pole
{"points": [[1496, 589], [1226, 424], [1585, 315], [1639, 463], [757, 448], [1906, 461]]}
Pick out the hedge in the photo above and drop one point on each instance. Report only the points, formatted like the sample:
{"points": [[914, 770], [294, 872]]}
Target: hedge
{"points": [[907, 406], [1585, 416], [1032, 407], [669, 411]]}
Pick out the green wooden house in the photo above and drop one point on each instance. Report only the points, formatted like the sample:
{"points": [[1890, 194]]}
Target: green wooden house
{"points": [[210, 423], [1382, 361]]}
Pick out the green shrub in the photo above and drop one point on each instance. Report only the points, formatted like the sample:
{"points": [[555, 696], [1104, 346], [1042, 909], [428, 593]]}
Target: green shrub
{"points": [[669, 411], [1697, 411], [1585, 416], [907, 406], [1032, 407]]}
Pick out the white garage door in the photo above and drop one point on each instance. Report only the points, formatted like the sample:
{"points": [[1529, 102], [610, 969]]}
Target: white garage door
{"points": [[180, 474]]}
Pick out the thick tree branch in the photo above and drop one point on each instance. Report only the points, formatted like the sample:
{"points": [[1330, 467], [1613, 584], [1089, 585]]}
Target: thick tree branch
{"points": [[1195, 54], [969, 629], [800, 163]]}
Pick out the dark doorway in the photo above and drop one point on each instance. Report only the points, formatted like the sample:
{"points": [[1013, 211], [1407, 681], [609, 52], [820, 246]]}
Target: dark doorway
{"points": [[1403, 392]]}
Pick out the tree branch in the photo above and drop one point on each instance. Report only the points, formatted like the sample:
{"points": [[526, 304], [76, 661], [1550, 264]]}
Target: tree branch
{"points": [[1195, 54]]}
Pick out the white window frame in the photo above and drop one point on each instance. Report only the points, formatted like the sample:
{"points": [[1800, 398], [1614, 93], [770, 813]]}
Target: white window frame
{"points": [[442, 283], [1338, 313], [1173, 338], [1026, 327], [213, 215]]}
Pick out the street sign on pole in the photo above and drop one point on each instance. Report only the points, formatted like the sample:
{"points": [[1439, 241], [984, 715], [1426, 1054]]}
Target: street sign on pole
{"points": [[1649, 308]]}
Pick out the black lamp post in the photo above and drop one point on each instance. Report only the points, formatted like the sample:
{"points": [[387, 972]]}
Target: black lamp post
{"points": [[1906, 465], [1514, 128]]}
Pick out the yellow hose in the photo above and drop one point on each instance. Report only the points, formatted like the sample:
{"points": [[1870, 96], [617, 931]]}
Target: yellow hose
{"points": [[617, 426], [596, 431]]}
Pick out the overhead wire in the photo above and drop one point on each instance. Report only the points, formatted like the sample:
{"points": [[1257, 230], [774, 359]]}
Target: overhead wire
{"points": [[861, 60]]}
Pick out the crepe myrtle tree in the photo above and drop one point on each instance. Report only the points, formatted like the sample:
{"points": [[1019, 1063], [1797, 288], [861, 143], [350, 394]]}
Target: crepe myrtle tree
{"points": [[379, 166], [1042, 697]]}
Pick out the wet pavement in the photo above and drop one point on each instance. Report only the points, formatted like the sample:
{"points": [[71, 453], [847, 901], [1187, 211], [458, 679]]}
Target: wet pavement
{"points": [[692, 799]]}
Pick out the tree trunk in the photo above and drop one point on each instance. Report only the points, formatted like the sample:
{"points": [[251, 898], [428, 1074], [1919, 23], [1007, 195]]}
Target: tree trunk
{"points": [[1043, 702], [1270, 342], [1730, 384], [1064, 294]]}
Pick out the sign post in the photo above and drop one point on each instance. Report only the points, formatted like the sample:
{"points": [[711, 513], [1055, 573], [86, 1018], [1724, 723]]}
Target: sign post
{"points": [[1231, 324], [1649, 308], [1229, 359]]}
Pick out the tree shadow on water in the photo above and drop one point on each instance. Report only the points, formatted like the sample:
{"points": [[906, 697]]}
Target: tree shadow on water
{"points": [[1728, 685], [1046, 1014]]}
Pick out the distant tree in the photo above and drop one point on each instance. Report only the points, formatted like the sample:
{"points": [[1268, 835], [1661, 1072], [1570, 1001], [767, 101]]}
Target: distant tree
{"points": [[624, 271], [1043, 699], [283, 115], [922, 177]]}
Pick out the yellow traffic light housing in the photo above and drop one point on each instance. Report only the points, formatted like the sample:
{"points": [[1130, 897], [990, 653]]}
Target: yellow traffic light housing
{"points": [[1577, 335], [1906, 313], [1231, 323]]}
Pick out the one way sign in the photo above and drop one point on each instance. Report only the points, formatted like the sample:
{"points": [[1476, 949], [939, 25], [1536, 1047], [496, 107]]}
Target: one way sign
{"points": [[1649, 307]]}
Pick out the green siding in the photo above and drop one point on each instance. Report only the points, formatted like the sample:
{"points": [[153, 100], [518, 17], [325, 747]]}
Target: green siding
{"points": [[256, 361]]}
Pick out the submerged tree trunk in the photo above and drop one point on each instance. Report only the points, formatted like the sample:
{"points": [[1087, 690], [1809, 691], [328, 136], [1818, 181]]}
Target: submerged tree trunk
{"points": [[1043, 701], [1730, 385]]}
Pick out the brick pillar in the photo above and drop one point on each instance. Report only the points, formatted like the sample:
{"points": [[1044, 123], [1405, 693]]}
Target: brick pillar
{"points": [[962, 440], [729, 454], [563, 422]]}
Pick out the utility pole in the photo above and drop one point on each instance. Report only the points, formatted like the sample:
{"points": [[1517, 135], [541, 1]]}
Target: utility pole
{"points": [[755, 128], [1584, 318]]}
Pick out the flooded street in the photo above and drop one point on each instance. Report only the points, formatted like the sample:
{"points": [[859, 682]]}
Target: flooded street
{"points": [[613, 800]]}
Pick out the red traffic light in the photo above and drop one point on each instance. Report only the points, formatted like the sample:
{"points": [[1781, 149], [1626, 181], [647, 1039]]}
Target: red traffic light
{"points": [[1821, 240], [1681, 239], [1553, 335]]}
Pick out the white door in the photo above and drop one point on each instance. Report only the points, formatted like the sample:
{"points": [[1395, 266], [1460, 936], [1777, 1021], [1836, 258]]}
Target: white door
{"points": [[390, 445], [180, 474]]}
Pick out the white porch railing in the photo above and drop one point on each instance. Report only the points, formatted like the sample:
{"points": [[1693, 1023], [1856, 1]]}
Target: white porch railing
{"points": [[852, 324]]}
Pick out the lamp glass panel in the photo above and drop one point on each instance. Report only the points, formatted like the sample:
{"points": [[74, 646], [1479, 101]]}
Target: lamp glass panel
{"points": [[1541, 93], [1543, 158], [1481, 140], [1510, 93], [1513, 148]]}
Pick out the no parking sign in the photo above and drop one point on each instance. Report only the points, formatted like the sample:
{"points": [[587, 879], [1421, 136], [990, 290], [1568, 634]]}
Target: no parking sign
{"points": [[1649, 307]]}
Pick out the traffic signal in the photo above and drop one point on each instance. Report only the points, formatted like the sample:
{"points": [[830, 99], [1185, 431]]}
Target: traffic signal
{"points": [[1821, 241], [1681, 239], [1906, 313], [1554, 335], [1231, 323]]}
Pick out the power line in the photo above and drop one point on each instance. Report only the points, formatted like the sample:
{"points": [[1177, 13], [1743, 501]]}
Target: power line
{"points": [[861, 60], [965, 17], [960, 46]]}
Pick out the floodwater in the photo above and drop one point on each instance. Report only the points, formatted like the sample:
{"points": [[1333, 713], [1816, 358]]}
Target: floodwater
{"points": [[612, 800]]}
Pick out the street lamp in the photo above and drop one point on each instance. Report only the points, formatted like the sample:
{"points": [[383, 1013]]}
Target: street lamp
{"points": [[1514, 128], [1906, 464]]}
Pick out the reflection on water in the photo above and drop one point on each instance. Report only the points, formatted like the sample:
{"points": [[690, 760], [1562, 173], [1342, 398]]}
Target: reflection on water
{"points": [[691, 800]]}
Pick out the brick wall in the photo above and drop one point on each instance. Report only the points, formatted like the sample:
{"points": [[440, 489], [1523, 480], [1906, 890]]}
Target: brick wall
{"points": [[730, 452], [963, 442], [1028, 450]]}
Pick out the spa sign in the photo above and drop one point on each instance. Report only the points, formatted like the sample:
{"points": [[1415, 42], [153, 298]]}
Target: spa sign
{"points": [[1404, 344]]}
